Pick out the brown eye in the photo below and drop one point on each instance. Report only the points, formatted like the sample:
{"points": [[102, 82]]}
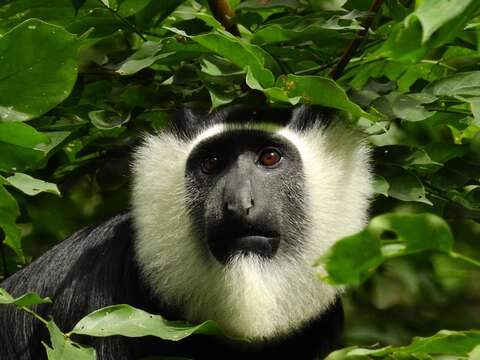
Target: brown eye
{"points": [[269, 157], [210, 164]]}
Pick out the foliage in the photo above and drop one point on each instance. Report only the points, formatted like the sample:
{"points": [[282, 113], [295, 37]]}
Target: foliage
{"points": [[80, 80]]}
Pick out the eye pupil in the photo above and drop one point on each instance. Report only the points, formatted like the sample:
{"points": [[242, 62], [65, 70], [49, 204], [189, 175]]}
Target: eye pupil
{"points": [[269, 157], [210, 164]]}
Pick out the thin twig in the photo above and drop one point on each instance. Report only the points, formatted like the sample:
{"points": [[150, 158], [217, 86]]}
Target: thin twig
{"points": [[316, 69], [122, 19], [355, 43], [222, 11]]}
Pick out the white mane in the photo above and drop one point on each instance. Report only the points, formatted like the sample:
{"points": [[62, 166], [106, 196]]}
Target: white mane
{"points": [[250, 297]]}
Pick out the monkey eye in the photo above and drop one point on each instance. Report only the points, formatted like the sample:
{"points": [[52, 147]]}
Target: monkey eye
{"points": [[210, 164], [269, 157]]}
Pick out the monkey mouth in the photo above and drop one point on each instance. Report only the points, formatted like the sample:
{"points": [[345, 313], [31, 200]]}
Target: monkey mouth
{"points": [[225, 246]]}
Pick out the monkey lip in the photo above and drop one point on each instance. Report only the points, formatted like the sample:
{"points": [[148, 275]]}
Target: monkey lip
{"points": [[260, 244], [256, 243]]}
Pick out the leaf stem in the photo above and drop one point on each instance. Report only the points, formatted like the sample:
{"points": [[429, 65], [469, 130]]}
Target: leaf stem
{"points": [[471, 261], [355, 43], [122, 19], [34, 314], [436, 62]]}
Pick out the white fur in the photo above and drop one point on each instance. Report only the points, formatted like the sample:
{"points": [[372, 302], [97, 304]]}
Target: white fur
{"points": [[251, 298]]}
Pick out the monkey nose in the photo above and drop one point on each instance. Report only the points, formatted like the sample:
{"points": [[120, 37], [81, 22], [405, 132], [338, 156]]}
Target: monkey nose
{"points": [[239, 206], [238, 199]]}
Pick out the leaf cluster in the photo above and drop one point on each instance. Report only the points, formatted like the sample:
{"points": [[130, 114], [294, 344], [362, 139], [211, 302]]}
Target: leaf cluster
{"points": [[81, 80]]}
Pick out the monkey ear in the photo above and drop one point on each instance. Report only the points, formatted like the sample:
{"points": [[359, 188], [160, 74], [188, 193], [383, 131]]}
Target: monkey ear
{"points": [[186, 123], [305, 117]]}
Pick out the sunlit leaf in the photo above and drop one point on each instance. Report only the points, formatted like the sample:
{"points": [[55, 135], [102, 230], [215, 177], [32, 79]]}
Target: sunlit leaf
{"points": [[353, 259], [30, 185], [435, 13], [128, 321], [62, 348], [24, 300]]}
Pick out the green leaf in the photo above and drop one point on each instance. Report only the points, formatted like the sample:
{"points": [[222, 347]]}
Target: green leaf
{"points": [[475, 353], [156, 12], [409, 106], [20, 146], [30, 185], [433, 14], [77, 4], [445, 342], [169, 51], [128, 321], [404, 185], [475, 109], [467, 83], [131, 7], [242, 54], [354, 259], [318, 90], [306, 28], [105, 120], [381, 185], [329, 5], [39, 69], [9, 212], [24, 300], [65, 349]]}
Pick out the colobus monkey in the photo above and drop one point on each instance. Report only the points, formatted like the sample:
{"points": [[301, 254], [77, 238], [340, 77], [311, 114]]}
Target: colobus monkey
{"points": [[229, 212]]}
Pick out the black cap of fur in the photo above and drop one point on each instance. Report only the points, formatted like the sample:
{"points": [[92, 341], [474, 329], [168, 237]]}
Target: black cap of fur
{"points": [[187, 123]]}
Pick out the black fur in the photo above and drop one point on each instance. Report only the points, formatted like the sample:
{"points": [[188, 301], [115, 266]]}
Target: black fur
{"points": [[188, 123]]}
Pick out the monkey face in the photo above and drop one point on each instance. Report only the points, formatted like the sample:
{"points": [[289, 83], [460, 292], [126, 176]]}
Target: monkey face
{"points": [[248, 187]]}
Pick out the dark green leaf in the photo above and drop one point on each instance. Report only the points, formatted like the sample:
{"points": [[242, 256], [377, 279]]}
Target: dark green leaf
{"points": [[131, 7], [77, 4], [9, 212], [39, 68], [404, 185], [20, 146], [167, 51]]}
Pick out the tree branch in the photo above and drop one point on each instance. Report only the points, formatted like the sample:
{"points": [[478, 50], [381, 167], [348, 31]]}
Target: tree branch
{"points": [[350, 51], [222, 11]]}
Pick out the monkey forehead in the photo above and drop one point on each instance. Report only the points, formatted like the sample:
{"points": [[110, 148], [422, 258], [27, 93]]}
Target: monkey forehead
{"points": [[217, 129]]}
